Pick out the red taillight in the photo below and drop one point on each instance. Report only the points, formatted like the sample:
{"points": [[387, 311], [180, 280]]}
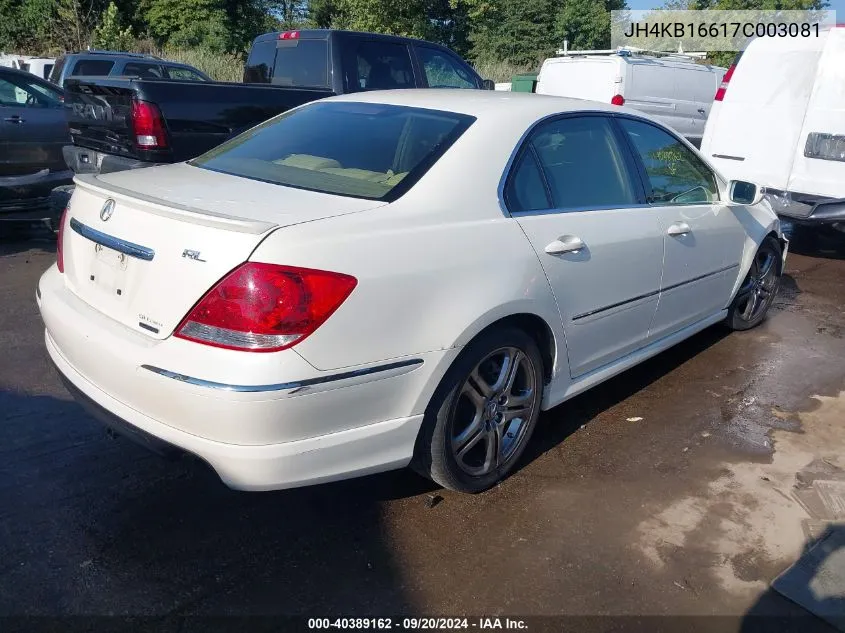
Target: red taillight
{"points": [[148, 125], [265, 308], [723, 87], [617, 100], [289, 35], [60, 246]]}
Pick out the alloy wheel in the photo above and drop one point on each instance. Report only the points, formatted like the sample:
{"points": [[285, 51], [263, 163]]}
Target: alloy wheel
{"points": [[491, 414]]}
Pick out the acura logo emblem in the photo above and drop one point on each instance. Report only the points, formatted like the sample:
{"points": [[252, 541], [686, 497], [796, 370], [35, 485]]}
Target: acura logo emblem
{"points": [[107, 210]]}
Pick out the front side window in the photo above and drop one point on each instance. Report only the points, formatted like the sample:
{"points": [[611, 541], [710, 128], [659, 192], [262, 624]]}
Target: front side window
{"points": [[583, 164], [92, 67], [184, 74], [676, 175], [371, 65], [364, 150], [441, 71], [19, 93]]}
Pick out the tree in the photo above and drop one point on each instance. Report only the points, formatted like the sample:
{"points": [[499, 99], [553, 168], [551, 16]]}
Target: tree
{"points": [[586, 23], [109, 35], [520, 32]]}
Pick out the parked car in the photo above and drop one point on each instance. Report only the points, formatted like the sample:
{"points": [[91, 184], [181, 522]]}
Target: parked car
{"points": [[778, 119], [129, 123], [120, 64], [674, 89], [393, 278], [41, 67], [33, 130]]}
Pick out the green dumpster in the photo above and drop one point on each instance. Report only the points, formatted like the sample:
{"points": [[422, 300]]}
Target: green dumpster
{"points": [[524, 83]]}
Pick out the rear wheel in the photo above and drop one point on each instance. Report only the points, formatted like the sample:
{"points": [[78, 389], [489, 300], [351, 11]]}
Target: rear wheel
{"points": [[758, 290], [483, 413]]}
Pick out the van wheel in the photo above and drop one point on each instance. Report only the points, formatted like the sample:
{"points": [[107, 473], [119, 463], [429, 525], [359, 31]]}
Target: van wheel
{"points": [[482, 415], [758, 290]]}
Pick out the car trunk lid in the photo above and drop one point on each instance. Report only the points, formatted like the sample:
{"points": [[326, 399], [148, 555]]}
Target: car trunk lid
{"points": [[144, 246]]}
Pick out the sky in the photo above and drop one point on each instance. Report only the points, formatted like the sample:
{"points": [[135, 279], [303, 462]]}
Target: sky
{"points": [[835, 5]]}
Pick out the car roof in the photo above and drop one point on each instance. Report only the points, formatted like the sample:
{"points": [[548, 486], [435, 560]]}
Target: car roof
{"points": [[326, 33], [488, 104]]}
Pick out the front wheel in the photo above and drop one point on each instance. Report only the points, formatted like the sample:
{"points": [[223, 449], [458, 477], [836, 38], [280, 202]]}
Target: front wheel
{"points": [[758, 289], [483, 413]]}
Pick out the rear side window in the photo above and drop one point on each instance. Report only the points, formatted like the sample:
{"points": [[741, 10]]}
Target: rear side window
{"points": [[363, 150], [675, 174], [372, 65], [583, 164], [259, 65], [442, 71], [92, 67], [145, 71], [302, 63], [525, 190]]}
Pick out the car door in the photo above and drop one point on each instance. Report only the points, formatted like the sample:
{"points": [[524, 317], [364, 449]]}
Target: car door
{"points": [[651, 89], [695, 87], [574, 191], [33, 128], [701, 233]]}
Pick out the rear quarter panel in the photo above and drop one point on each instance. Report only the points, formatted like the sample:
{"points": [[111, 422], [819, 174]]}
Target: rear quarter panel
{"points": [[434, 268]]}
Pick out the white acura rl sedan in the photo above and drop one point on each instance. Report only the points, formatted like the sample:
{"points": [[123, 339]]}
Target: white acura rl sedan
{"points": [[395, 278]]}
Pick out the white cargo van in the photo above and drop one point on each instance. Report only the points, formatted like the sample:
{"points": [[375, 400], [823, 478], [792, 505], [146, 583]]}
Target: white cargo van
{"points": [[674, 89], [779, 121]]}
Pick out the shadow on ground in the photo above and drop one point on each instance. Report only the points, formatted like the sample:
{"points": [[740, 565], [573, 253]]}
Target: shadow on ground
{"points": [[95, 525], [809, 578]]}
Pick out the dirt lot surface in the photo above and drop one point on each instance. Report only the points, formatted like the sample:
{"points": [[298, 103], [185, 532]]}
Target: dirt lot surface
{"points": [[669, 490]]}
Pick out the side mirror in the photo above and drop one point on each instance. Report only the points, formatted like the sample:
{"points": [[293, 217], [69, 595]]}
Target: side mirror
{"points": [[743, 192], [488, 84]]}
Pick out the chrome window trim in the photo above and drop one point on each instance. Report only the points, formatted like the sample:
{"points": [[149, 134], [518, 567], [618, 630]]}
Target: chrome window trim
{"points": [[311, 385], [114, 243], [506, 173]]}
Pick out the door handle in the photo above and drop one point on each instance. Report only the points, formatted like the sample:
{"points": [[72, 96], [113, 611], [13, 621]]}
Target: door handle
{"points": [[14, 119], [678, 229], [702, 110], [565, 244]]}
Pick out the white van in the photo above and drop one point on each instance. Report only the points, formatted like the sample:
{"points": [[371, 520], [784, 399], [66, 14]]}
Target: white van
{"points": [[779, 121], [39, 66], [674, 89]]}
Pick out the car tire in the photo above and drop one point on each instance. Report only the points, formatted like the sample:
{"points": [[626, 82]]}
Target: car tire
{"points": [[482, 401], [758, 289]]}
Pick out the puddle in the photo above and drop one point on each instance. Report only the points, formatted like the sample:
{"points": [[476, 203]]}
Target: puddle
{"points": [[747, 526]]}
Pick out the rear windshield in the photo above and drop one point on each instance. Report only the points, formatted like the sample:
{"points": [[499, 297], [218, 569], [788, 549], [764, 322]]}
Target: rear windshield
{"points": [[363, 150], [302, 63]]}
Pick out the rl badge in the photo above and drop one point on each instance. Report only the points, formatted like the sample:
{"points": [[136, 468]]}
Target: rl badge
{"points": [[107, 210]]}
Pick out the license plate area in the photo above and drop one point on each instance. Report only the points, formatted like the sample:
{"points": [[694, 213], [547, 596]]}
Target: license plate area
{"points": [[109, 271]]}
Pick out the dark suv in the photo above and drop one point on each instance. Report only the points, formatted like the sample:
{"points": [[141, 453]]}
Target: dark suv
{"points": [[114, 64]]}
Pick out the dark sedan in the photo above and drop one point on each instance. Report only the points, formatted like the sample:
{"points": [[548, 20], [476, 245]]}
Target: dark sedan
{"points": [[33, 129]]}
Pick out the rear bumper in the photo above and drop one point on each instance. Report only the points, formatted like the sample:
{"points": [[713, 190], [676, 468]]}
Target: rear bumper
{"points": [[301, 426], [807, 209], [83, 160]]}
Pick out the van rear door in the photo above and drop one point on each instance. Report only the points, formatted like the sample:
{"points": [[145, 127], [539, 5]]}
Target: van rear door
{"points": [[753, 132], [819, 164], [651, 89], [594, 78]]}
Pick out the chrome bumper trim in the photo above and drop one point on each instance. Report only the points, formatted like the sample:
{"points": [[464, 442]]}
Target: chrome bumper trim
{"points": [[309, 384], [114, 243]]}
